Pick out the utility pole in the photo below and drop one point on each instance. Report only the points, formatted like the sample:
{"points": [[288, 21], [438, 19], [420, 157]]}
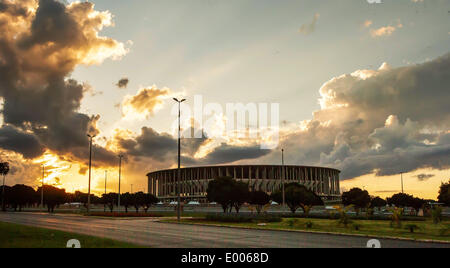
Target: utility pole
{"points": [[90, 166], [282, 177], [179, 159], [42, 189], [120, 171]]}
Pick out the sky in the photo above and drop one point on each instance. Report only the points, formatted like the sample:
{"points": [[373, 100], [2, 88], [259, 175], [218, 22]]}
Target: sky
{"points": [[361, 87]]}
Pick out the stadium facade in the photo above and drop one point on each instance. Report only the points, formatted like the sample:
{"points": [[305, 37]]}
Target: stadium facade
{"points": [[194, 180]]}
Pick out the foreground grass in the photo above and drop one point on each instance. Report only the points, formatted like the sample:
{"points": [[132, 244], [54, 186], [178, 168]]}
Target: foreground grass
{"points": [[426, 230], [20, 236]]}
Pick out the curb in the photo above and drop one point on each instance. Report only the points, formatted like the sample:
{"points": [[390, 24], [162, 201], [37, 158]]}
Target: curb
{"points": [[318, 232]]}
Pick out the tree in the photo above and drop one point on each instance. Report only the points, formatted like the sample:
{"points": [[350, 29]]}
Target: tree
{"points": [[297, 196], [259, 199], [444, 193], [148, 201], [5, 193], [401, 200], [126, 200], [4, 170], [417, 204], [378, 202], [138, 200], [53, 197], [239, 195], [110, 200], [220, 191], [356, 197], [22, 195]]}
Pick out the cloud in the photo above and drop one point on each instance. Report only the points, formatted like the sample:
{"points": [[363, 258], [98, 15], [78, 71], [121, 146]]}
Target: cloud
{"points": [[381, 122], [15, 140], [226, 153], [123, 83], [40, 45], [384, 31], [368, 23], [144, 103], [424, 177], [311, 27]]}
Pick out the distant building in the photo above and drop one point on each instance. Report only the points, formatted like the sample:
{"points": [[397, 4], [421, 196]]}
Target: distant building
{"points": [[194, 180]]}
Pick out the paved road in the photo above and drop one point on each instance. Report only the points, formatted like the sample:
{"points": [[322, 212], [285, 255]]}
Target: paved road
{"points": [[152, 233]]}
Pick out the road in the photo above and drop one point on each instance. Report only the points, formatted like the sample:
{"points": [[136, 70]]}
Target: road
{"points": [[150, 232]]}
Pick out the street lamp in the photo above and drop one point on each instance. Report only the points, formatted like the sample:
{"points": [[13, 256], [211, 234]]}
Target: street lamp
{"points": [[401, 178], [90, 166], [282, 176], [179, 158], [106, 177], [42, 189], [120, 171]]}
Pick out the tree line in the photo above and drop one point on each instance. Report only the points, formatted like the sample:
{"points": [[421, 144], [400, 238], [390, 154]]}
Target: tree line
{"points": [[21, 196], [360, 199], [230, 193]]}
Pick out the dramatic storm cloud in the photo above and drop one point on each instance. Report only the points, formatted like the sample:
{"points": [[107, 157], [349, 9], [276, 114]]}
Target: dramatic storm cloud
{"points": [[40, 45], [382, 121]]}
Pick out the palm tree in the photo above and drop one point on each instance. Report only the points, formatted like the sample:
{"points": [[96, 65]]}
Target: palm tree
{"points": [[4, 170]]}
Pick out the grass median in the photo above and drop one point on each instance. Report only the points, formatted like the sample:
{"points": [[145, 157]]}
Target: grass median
{"points": [[424, 230], [21, 236]]}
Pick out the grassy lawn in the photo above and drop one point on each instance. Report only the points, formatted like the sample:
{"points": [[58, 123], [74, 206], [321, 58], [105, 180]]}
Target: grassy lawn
{"points": [[426, 230], [20, 236]]}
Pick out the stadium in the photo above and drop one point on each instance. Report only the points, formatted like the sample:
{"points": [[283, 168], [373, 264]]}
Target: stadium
{"points": [[194, 180]]}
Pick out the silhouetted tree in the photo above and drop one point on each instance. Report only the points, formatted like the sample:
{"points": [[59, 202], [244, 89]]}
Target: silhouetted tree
{"points": [[259, 199], [444, 193], [5, 194], [239, 195], [400, 200], [126, 200], [356, 197], [297, 196], [378, 202], [417, 204], [4, 170], [22, 195], [220, 190], [53, 197], [148, 201], [110, 200]]}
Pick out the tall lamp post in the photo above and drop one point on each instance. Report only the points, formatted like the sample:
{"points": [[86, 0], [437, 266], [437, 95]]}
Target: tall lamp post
{"points": [[90, 166], [401, 178], [42, 189], [282, 176], [179, 159], [106, 178], [120, 171]]}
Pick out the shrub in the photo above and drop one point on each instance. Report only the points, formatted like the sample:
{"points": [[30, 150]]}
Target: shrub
{"points": [[444, 231], [241, 218], [292, 222], [356, 226], [396, 217], [343, 216], [309, 224], [436, 214], [122, 214], [411, 227]]}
